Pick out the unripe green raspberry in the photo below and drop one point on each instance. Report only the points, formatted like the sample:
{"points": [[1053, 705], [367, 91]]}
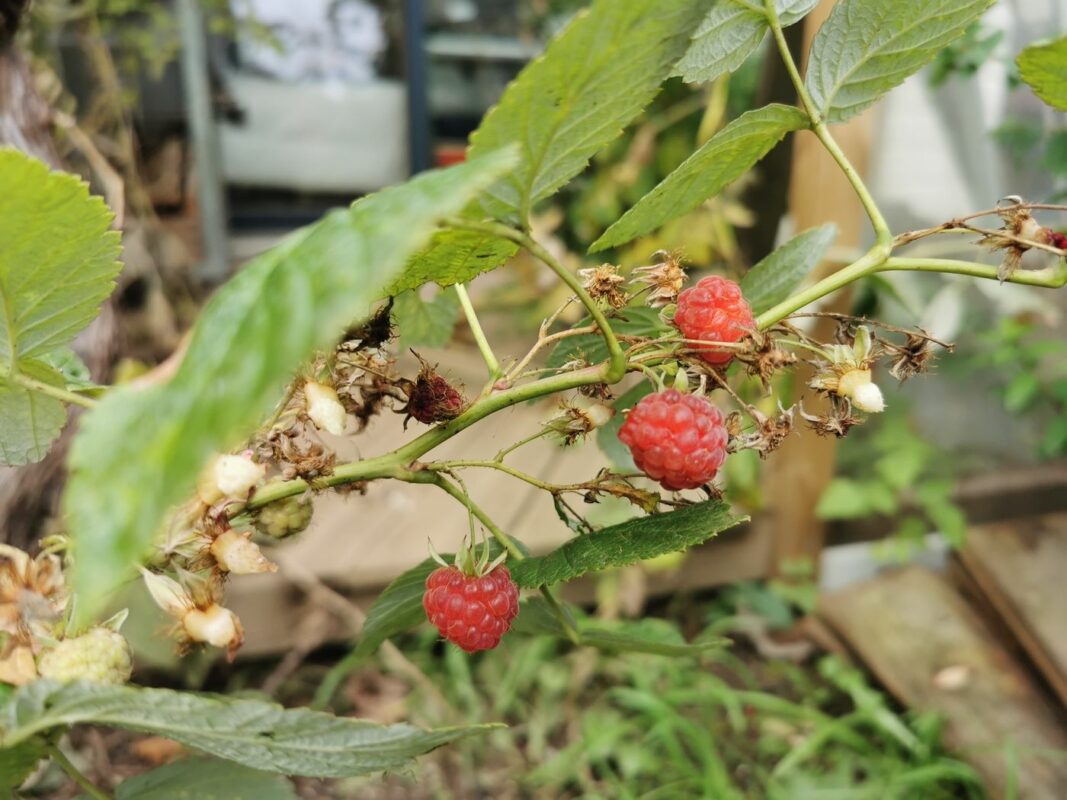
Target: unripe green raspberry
{"points": [[99, 656], [283, 518]]}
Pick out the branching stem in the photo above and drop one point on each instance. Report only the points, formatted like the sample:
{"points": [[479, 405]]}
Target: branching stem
{"points": [[476, 330], [818, 127], [75, 774]]}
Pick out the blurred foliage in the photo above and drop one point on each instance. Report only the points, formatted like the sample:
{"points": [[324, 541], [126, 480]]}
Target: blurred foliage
{"points": [[886, 468], [1029, 364], [965, 56], [727, 727], [142, 35]]}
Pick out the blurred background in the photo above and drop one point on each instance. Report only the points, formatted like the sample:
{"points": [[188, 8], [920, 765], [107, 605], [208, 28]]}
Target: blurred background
{"points": [[894, 605]]}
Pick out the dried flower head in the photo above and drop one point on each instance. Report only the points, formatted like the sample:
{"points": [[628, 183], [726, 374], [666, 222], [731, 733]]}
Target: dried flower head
{"points": [[32, 592], [666, 277], [1019, 228], [431, 398], [578, 418], [604, 285]]}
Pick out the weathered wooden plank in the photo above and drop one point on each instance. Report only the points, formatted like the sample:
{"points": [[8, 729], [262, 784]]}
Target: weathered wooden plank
{"points": [[910, 626], [1020, 567]]}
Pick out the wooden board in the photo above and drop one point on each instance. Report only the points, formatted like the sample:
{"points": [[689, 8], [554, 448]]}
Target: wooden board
{"points": [[909, 626], [1020, 567]]}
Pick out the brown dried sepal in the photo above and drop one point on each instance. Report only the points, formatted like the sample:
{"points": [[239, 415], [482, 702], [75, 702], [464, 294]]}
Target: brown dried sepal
{"points": [[604, 284], [666, 277], [837, 422]]}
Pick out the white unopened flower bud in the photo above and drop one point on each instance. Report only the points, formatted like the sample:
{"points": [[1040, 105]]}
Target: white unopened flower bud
{"points": [[868, 397], [213, 625], [237, 553], [858, 387], [169, 595], [236, 475], [324, 409]]}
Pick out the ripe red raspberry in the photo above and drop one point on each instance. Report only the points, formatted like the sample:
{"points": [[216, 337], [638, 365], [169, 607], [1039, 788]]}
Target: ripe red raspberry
{"points": [[714, 311], [677, 439], [471, 611]]}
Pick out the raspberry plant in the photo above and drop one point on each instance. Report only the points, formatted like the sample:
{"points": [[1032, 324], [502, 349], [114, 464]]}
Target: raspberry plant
{"points": [[171, 474]]}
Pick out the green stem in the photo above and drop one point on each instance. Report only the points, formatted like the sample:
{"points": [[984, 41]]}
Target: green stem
{"points": [[506, 542], [75, 774], [476, 329], [866, 265], [1054, 277], [818, 127], [615, 366], [40, 387]]}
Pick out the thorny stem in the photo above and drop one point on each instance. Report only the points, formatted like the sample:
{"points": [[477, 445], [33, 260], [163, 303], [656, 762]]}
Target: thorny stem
{"points": [[818, 127], [75, 774], [615, 367], [476, 329], [507, 543], [47, 389]]}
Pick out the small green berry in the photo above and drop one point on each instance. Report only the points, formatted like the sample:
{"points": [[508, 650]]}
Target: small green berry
{"points": [[283, 518], [99, 656]]}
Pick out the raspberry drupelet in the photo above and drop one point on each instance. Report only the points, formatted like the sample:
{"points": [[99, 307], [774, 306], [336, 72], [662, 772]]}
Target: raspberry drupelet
{"points": [[714, 311], [471, 611], [677, 439]]}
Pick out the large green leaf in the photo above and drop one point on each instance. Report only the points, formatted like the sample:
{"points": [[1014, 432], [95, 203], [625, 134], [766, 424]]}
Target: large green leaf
{"points": [[655, 636], [205, 779], [627, 543], [258, 734], [58, 261], [140, 451], [722, 159], [17, 762], [630, 321], [771, 280], [425, 323], [1044, 68], [866, 47], [29, 421], [591, 81], [730, 33], [454, 256]]}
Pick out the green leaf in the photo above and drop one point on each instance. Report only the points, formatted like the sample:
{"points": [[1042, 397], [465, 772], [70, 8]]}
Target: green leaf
{"points": [[591, 81], [771, 280], [205, 779], [1055, 157], [648, 635], [1022, 391], [627, 543], [607, 436], [730, 33], [257, 734], [722, 159], [1044, 68], [29, 421], [425, 323], [866, 47], [454, 256], [17, 762], [71, 367], [654, 636], [140, 451], [630, 321], [58, 261]]}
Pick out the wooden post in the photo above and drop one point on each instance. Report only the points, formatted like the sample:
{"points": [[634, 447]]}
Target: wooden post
{"points": [[819, 193]]}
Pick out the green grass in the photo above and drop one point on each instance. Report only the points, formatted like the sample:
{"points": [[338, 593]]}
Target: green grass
{"points": [[730, 726]]}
